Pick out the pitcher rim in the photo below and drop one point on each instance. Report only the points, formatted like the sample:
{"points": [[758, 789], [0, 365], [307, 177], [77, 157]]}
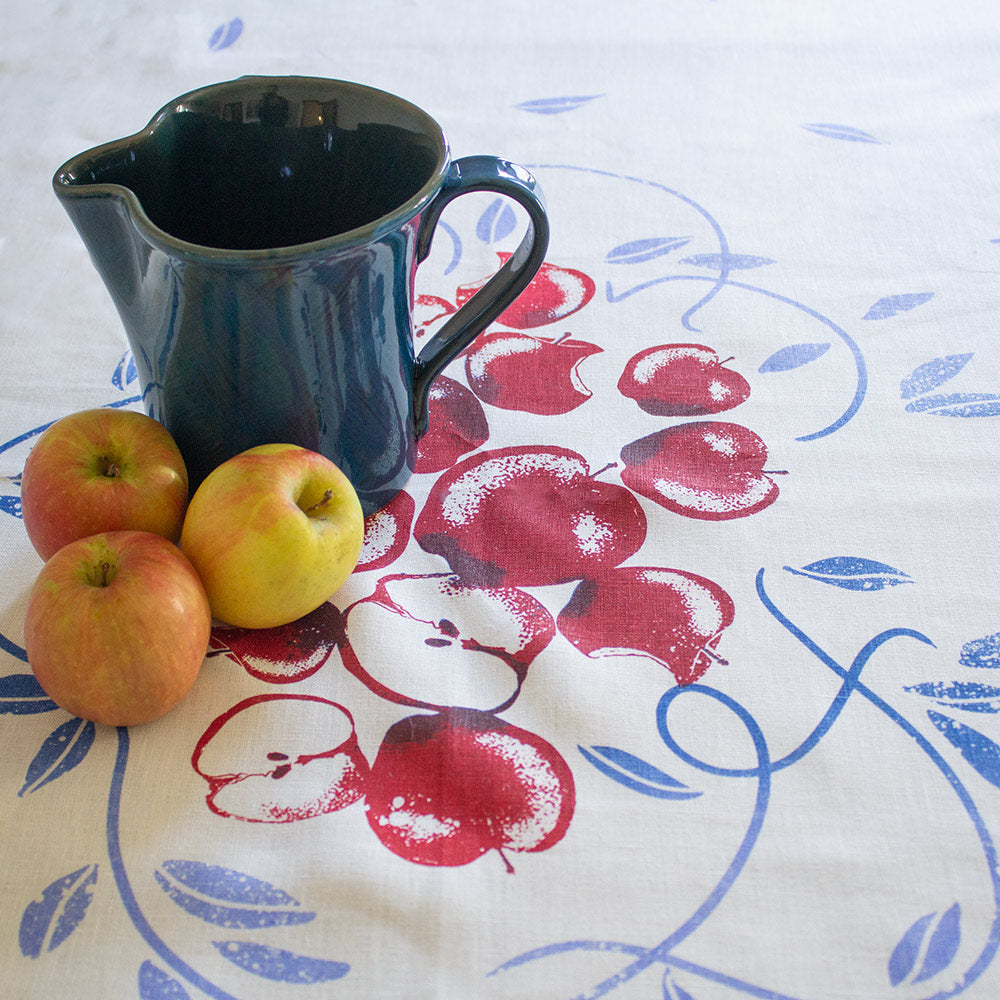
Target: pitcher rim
{"points": [[160, 238]]}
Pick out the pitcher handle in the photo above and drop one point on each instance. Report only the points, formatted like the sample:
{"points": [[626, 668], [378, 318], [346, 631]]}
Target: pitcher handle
{"points": [[479, 173]]}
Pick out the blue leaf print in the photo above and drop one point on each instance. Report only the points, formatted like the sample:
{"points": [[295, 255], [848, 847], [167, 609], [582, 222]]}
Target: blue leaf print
{"points": [[890, 305], [228, 898], [931, 374], [943, 944], [225, 34], [793, 356], [845, 132], [979, 653], [21, 694], [496, 222], [48, 921], [62, 750], [734, 261], [853, 573], [125, 372], [978, 750], [904, 955], [280, 965], [639, 251], [155, 984], [966, 695], [635, 773], [556, 105], [11, 505], [958, 404]]}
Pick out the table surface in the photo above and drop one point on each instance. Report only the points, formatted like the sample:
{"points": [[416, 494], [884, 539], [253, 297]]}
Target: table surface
{"points": [[805, 192]]}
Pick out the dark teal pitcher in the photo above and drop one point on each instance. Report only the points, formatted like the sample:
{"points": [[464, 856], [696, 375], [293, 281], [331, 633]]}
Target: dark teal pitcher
{"points": [[259, 239]]}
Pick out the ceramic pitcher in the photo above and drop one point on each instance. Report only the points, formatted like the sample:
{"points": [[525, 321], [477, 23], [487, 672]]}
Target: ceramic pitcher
{"points": [[259, 239]]}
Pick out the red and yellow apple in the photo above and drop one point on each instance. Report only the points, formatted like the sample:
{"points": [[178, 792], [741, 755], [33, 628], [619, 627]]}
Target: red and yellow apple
{"points": [[117, 627], [102, 470], [273, 533]]}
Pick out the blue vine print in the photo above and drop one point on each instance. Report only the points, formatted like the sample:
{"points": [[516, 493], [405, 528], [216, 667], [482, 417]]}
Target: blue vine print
{"points": [[935, 935]]}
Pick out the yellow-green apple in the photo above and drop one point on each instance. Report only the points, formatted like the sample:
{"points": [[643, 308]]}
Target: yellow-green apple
{"points": [[117, 627], [682, 380], [302, 759], [102, 470], [273, 532]]}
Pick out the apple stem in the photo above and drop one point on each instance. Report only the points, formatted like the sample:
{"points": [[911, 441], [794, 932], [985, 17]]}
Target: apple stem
{"points": [[610, 465], [730, 358], [322, 502], [565, 336], [775, 472], [506, 861], [713, 655], [105, 575]]}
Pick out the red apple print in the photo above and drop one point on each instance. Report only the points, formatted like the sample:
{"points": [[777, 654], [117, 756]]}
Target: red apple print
{"points": [[277, 758], [682, 380], [428, 310], [528, 516], [386, 533], [707, 469], [553, 294], [454, 644], [670, 616], [283, 654], [447, 788], [518, 371], [457, 426]]}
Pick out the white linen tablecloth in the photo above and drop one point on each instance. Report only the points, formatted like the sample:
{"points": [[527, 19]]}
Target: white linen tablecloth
{"points": [[808, 190]]}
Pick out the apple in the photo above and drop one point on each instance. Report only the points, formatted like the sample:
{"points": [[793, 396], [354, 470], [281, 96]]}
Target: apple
{"points": [[283, 654], [387, 532], [668, 615], [446, 788], [456, 644], [528, 516], [707, 469], [682, 380], [520, 371], [273, 532], [117, 627], [457, 424], [553, 294], [302, 759], [102, 470]]}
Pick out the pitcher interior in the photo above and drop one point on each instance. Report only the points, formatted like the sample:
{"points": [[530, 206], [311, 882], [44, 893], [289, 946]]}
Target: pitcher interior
{"points": [[268, 172]]}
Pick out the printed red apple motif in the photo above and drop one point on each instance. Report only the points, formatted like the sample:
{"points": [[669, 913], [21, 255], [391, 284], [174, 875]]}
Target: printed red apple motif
{"points": [[428, 310], [553, 294], [277, 758], [520, 371], [682, 380], [528, 516], [387, 532], [708, 469], [446, 788], [453, 644], [668, 615], [286, 653], [457, 425]]}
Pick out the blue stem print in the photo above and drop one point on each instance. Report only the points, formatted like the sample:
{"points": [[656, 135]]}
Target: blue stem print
{"points": [[935, 935]]}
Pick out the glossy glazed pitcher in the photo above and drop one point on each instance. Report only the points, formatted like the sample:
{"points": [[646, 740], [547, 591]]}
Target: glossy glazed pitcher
{"points": [[259, 239]]}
